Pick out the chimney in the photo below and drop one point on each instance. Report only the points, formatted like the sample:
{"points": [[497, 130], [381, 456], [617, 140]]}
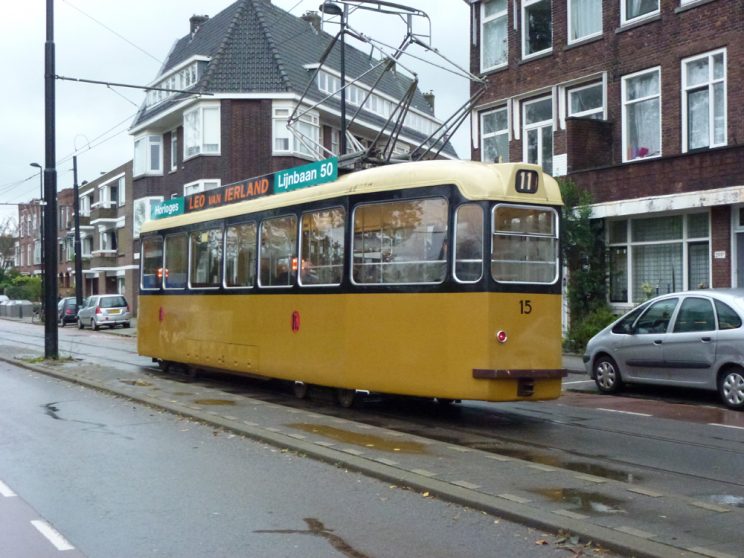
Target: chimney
{"points": [[313, 18], [429, 96], [197, 21]]}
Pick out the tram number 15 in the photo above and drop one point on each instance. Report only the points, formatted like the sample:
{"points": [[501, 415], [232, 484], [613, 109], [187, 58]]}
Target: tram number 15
{"points": [[525, 307]]}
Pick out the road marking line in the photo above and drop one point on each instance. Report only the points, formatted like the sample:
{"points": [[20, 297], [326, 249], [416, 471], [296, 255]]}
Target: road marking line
{"points": [[578, 382], [634, 532], [643, 491], [423, 473], [352, 451], [710, 507], [590, 478], [497, 457], [625, 412], [466, 484], [539, 467], [5, 491], [52, 535], [384, 461], [572, 515], [513, 498], [725, 425], [709, 552]]}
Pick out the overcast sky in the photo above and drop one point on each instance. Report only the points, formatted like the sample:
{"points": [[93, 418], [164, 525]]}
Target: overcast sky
{"points": [[126, 42]]}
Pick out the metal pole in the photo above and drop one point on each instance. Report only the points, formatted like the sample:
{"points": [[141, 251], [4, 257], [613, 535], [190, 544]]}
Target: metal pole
{"points": [[342, 139], [51, 346], [78, 250]]}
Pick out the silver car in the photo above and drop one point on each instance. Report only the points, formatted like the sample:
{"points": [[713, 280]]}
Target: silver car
{"points": [[690, 339], [104, 310]]}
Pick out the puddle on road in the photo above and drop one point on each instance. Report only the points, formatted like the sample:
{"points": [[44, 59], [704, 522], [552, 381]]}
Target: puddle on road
{"points": [[580, 500], [576, 466], [363, 440], [214, 402]]}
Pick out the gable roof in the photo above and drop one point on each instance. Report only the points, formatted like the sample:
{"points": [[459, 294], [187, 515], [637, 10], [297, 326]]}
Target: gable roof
{"points": [[256, 47]]}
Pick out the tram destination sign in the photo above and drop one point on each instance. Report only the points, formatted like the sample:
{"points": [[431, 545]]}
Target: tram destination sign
{"points": [[279, 182]]}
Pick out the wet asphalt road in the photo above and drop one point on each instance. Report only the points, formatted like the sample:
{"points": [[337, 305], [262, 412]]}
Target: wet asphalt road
{"points": [[677, 450], [119, 479]]}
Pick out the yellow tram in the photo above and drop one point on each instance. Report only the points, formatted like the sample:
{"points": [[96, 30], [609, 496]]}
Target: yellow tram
{"points": [[434, 279]]}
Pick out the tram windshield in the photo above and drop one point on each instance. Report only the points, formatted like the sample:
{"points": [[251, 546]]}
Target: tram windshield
{"points": [[524, 244]]}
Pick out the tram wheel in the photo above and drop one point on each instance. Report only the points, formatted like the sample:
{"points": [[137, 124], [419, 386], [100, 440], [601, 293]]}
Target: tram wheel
{"points": [[300, 389], [164, 365], [345, 397]]}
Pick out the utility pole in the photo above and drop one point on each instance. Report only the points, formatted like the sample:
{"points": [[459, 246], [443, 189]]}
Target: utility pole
{"points": [[51, 341], [78, 252], [332, 8]]}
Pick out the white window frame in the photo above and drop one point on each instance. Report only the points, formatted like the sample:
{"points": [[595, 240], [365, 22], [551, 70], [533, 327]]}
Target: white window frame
{"points": [[625, 105], [203, 136], [504, 14], [711, 106], [537, 126], [203, 185], [601, 110], [144, 164], [174, 151], [525, 34], [571, 40], [624, 20], [121, 191], [506, 131], [310, 120]]}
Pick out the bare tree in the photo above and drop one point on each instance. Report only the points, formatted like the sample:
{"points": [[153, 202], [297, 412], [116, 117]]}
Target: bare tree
{"points": [[8, 236]]}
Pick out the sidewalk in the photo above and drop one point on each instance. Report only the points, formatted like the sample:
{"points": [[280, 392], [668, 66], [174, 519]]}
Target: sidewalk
{"points": [[628, 520]]}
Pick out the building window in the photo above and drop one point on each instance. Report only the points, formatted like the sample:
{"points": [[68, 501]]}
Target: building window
{"points": [[658, 255], [634, 10], [148, 155], [537, 27], [641, 115], [174, 151], [586, 101], [584, 19], [200, 186], [704, 101], [201, 131], [304, 142], [495, 136], [538, 133], [494, 34]]}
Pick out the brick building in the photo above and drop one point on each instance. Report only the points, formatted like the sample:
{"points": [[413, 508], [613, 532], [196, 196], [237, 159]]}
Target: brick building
{"points": [[638, 102], [221, 103], [107, 228]]}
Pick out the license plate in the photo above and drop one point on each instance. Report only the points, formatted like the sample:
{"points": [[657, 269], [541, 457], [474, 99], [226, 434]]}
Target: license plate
{"points": [[116, 311]]}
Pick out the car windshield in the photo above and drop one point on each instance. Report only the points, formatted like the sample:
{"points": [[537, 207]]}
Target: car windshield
{"points": [[113, 302]]}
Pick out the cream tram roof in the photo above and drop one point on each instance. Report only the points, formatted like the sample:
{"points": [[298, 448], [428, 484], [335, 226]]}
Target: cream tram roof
{"points": [[475, 180]]}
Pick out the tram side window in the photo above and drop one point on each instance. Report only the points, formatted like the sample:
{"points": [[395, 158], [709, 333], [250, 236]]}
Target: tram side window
{"points": [[206, 256], [469, 243], [400, 242], [176, 267], [152, 262], [525, 244], [278, 251], [240, 255], [322, 247]]}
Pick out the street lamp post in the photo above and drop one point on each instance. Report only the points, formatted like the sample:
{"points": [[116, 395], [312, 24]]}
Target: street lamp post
{"points": [[332, 8]]}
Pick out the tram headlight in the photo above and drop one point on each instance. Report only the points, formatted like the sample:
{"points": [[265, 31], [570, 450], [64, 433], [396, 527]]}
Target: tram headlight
{"points": [[501, 336]]}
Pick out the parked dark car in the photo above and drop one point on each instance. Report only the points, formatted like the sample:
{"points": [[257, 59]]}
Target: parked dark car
{"points": [[690, 339], [67, 310]]}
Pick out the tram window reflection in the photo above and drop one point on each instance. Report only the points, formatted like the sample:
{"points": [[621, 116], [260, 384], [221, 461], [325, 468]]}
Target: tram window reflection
{"points": [[206, 256], [278, 251], [469, 243], [400, 242], [152, 261], [240, 255], [176, 267], [322, 247]]}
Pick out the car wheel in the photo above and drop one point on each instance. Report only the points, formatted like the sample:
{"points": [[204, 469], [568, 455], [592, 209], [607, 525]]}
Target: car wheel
{"points": [[125, 325], [607, 375], [731, 388], [94, 325], [80, 324]]}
